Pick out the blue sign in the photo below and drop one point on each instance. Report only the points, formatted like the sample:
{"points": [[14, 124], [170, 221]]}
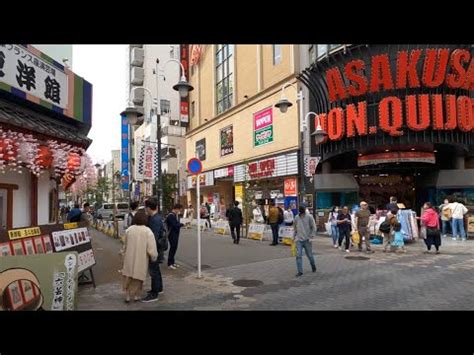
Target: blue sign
{"points": [[194, 166], [125, 175]]}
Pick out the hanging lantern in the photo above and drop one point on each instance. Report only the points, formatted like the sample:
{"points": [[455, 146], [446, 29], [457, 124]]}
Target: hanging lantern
{"points": [[73, 163], [44, 158]]}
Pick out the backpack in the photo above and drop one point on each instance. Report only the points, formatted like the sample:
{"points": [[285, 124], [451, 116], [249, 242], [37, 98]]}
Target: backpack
{"points": [[385, 226], [280, 216], [397, 226], [447, 213]]}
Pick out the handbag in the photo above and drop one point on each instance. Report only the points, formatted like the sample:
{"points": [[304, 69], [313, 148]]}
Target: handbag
{"points": [[355, 238], [423, 232], [293, 248], [328, 226]]}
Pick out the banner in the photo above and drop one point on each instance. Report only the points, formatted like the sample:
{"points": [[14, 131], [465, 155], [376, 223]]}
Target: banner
{"points": [[201, 149], [396, 157], [39, 282], [310, 165], [222, 227], [227, 141], [124, 173], [290, 187], [263, 127], [286, 234], [256, 231], [146, 167]]}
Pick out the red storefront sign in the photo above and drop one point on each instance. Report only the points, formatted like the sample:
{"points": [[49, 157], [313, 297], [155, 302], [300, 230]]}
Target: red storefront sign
{"points": [[264, 168], [454, 70], [290, 187], [396, 157]]}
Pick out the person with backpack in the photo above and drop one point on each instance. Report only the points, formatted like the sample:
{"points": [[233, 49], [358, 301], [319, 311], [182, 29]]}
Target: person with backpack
{"points": [[235, 221], [75, 214], [332, 218], [445, 219], [396, 231], [430, 220], [173, 227], [129, 217], [274, 221], [456, 211], [155, 223], [386, 228]]}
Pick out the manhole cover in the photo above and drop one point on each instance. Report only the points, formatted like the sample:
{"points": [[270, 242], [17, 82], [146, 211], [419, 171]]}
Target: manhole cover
{"points": [[204, 267], [357, 258], [247, 283]]}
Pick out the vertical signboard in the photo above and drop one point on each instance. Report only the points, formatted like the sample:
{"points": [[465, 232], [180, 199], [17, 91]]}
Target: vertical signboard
{"points": [[184, 101], [124, 174], [227, 141], [263, 127], [201, 149]]}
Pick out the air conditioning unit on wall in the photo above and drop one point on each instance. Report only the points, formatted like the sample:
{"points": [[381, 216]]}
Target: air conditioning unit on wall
{"points": [[138, 74], [137, 96], [137, 57]]}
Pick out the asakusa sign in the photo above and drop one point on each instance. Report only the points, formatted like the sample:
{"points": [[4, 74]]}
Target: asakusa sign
{"points": [[452, 69]]}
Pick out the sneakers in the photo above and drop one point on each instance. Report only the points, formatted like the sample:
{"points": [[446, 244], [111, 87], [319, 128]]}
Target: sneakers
{"points": [[463, 239], [335, 245], [444, 235], [339, 248], [172, 267], [348, 251], [299, 274], [454, 238], [150, 298]]}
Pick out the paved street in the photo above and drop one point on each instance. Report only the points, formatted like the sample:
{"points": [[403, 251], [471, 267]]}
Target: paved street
{"points": [[411, 281]]}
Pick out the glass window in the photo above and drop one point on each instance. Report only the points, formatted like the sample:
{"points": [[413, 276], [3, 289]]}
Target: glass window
{"points": [[322, 50], [164, 107], [277, 54], [224, 73]]}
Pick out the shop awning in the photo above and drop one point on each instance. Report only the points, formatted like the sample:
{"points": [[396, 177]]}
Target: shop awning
{"points": [[453, 179], [335, 183], [24, 118]]}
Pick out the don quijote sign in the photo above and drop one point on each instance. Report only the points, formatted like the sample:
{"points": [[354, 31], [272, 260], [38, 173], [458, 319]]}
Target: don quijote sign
{"points": [[424, 69]]}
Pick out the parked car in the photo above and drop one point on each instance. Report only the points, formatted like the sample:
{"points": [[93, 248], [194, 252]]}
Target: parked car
{"points": [[106, 211], [122, 208]]}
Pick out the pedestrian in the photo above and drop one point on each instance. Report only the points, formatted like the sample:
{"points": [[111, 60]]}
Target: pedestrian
{"points": [[288, 217], [430, 219], [362, 225], [344, 226], [174, 227], [257, 214], [305, 230], [273, 217], [128, 221], [155, 223], [139, 249], [86, 215], [235, 221], [205, 214], [208, 208], [457, 211], [75, 214], [397, 236], [445, 221], [386, 228], [332, 218], [392, 205]]}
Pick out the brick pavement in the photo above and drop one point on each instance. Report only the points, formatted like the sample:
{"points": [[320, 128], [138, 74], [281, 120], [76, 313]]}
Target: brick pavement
{"points": [[386, 281]]}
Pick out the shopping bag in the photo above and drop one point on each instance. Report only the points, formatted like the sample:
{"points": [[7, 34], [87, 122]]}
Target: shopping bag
{"points": [[328, 228], [423, 232], [355, 238], [293, 249]]}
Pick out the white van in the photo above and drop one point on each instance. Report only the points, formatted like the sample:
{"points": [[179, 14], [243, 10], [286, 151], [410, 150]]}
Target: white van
{"points": [[108, 210]]}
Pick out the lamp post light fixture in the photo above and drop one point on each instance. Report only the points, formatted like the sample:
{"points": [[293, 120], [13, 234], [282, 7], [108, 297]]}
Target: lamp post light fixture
{"points": [[319, 134]]}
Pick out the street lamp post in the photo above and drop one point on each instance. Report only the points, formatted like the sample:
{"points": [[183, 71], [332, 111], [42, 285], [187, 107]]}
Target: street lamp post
{"points": [[183, 87], [319, 134]]}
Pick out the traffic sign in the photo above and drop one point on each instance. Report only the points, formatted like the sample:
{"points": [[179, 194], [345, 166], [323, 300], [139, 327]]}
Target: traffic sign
{"points": [[194, 166]]}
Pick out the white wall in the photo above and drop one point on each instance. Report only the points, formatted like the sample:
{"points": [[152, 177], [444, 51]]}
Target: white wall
{"points": [[43, 198], [21, 197]]}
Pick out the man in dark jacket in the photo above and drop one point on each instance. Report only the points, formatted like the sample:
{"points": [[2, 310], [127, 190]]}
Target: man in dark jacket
{"points": [[174, 227], [235, 221], [155, 223], [75, 214]]}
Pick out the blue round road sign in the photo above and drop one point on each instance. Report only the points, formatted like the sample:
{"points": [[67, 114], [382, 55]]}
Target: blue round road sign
{"points": [[194, 166]]}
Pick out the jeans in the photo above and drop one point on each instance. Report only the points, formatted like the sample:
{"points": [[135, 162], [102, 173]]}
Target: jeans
{"points": [[445, 225], [306, 245], [275, 228], [161, 255], [458, 226], [334, 233], [235, 229], [173, 240], [156, 280], [347, 234], [387, 240]]}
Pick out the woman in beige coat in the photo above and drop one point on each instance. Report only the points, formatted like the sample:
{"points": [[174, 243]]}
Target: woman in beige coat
{"points": [[139, 247]]}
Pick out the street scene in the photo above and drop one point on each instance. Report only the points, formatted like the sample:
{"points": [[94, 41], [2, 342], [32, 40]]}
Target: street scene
{"points": [[236, 177]]}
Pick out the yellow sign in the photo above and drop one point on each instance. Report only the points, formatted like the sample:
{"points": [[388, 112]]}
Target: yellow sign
{"points": [[256, 231], [72, 225], [239, 192], [24, 233]]}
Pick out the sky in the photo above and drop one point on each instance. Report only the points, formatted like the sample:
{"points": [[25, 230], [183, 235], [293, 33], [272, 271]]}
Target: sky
{"points": [[104, 67]]}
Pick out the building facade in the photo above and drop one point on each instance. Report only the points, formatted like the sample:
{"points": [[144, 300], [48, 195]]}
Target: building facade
{"points": [[243, 141], [142, 73], [400, 123]]}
